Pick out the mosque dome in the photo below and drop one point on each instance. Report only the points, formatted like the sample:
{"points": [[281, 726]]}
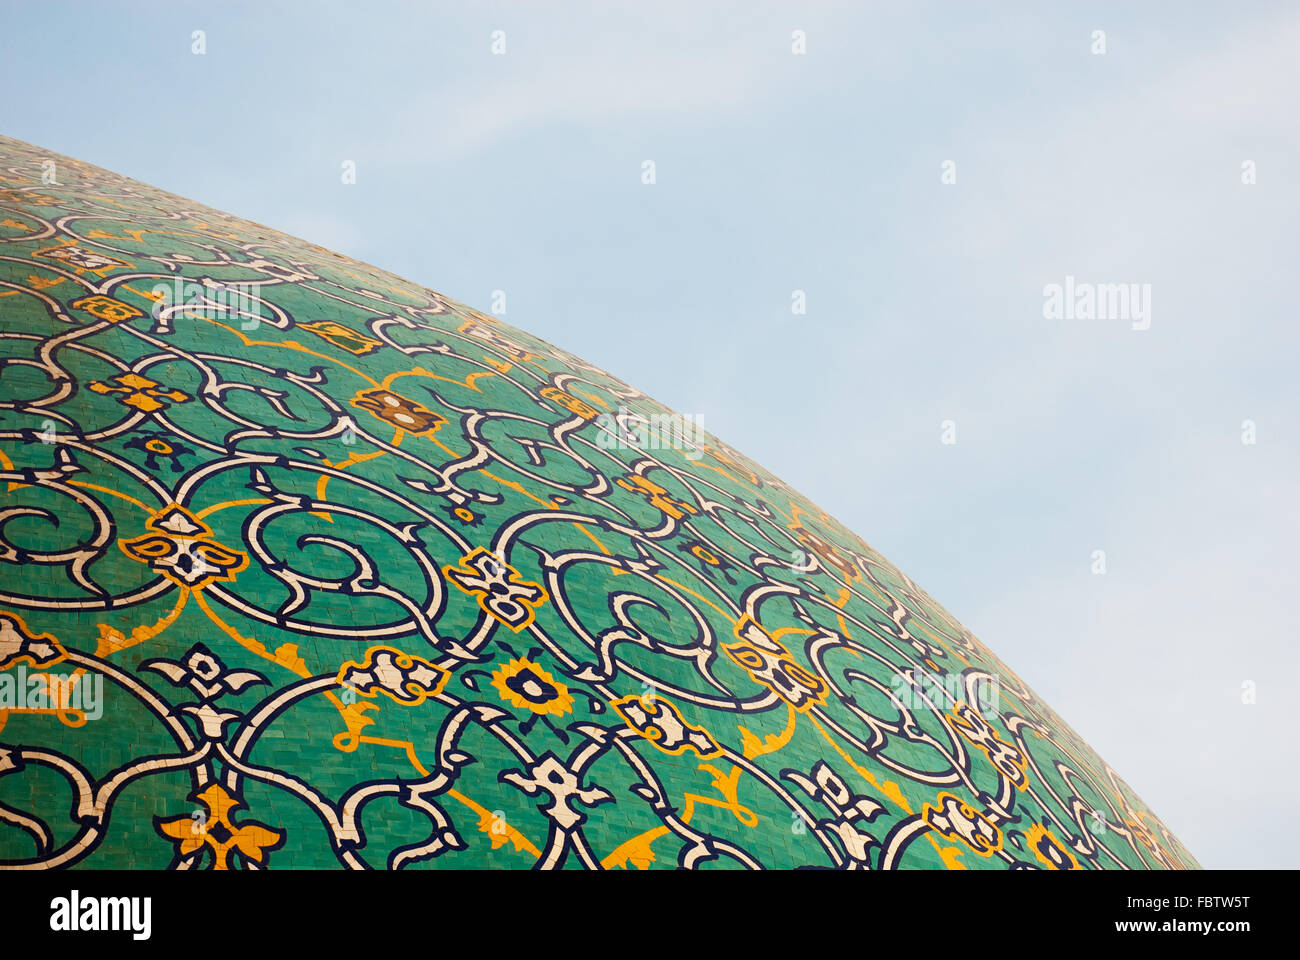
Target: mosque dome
{"points": [[303, 565]]}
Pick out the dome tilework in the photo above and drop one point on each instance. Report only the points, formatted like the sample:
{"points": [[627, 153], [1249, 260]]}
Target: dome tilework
{"points": [[303, 565]]}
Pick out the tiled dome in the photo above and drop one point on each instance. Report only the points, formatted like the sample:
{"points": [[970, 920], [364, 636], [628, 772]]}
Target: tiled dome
{"points": [[305, 565]]}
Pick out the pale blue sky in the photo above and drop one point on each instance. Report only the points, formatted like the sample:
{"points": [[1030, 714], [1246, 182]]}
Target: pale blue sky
{"points": [[821, 172]]}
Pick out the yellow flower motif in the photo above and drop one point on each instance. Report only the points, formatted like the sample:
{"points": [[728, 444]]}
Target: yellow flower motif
{"points": [[768, 662], [18, 642], [79, 258], [567, 401], [660, 722], [21, 196], [107, 308], [251, 840], [1008, 760], [342, 337], [499, 588], [400, 412], [495, 338], [951, 817], [139, 392], [1050, 851], [524, 684], [180, 547], [656, 495], [403, 677]]}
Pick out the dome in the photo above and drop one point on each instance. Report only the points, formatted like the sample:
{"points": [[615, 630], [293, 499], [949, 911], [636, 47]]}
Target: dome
{"points": [[303, 565]]}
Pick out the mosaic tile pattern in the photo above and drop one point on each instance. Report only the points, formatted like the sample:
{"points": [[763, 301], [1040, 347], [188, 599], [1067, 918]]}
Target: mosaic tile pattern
{"points": [[303, 565]]}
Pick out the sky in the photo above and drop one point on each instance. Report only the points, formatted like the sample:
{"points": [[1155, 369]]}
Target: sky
{"points": [[923, 173]]}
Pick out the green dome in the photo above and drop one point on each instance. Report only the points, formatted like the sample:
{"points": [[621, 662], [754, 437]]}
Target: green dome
{"points": [[304, 565]]}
